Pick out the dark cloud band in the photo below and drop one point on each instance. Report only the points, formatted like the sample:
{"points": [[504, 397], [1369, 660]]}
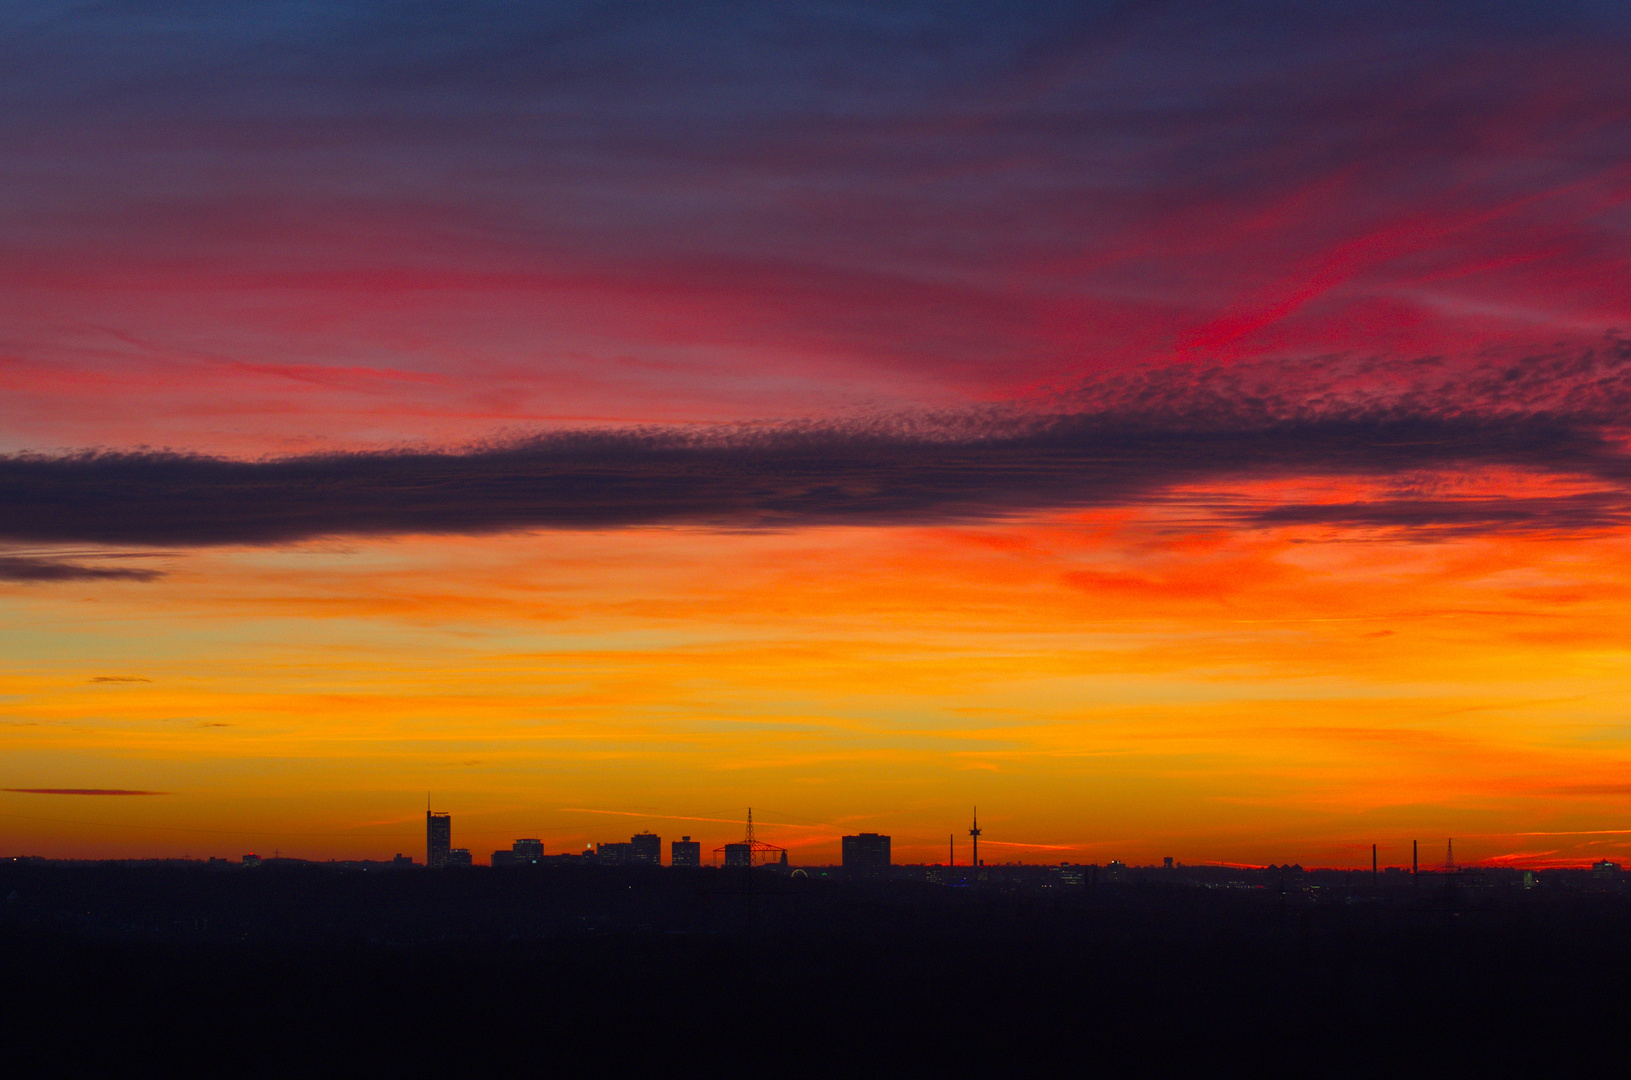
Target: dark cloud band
{"points": [[960, 469]]}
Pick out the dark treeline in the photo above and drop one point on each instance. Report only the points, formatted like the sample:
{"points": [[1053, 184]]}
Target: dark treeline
{"points": [[307, 967]]}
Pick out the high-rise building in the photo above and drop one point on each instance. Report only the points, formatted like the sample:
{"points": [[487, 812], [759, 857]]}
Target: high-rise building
{"points": [[528, 849], [458, 857], [646, 847], [438, 838], [685, 852], [866, 856], [738, 854]]}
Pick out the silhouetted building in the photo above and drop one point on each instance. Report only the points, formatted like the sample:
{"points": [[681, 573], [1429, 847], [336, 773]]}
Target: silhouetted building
{"points": [[438, 838], [458, 857], [1166, 863], [614, 854], [252, 860], [1605, 870], [685, 852], [646, 848], [866, 856], [738, 854], [402, 860], [521, 853]]}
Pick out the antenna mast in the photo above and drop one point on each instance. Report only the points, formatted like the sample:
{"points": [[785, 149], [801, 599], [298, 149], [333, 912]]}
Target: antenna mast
{"points": [[974, 831]]}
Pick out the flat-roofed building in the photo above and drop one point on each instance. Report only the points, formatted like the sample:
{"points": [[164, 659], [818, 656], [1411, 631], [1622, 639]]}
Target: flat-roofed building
{"points": [[866, 856], [685, 852], [646, 847], [614, 854], [521, 853]]}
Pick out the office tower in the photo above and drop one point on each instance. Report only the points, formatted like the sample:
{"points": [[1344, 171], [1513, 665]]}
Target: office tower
{"points": [[738, 854], [438, 838], [646, 847], [458, 857], [866, 856], [685, 852]]}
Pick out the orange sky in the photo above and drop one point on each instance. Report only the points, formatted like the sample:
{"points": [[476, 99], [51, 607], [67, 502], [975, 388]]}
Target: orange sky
{"points": [[1178, 430], [1102, 685]]}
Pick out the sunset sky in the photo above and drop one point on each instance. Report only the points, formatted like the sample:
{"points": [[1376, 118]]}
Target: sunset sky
{"points": [[1192, 429]]}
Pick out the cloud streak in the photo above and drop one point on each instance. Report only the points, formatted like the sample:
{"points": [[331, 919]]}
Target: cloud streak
{"points": [[31, 568], [77, 791]]}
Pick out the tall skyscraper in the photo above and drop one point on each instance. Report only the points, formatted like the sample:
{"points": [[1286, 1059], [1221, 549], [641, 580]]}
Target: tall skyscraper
{"points": [[866, 856], [438, 838], [685, 852]]}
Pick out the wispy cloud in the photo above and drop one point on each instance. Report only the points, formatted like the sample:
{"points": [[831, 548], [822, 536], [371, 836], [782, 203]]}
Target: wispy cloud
{"points": [[78, 791], [733, 209], [37, 569]]}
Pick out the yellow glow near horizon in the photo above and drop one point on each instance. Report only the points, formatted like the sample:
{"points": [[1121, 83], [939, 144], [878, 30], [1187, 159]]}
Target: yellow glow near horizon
{"points": [[1103, 687]]}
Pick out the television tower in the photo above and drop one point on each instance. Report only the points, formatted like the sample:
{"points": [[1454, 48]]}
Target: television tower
{"points": [[974, 831]]}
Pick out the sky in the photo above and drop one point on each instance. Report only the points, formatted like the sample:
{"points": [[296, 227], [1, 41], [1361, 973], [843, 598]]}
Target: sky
{"points": [[1179, 429]]}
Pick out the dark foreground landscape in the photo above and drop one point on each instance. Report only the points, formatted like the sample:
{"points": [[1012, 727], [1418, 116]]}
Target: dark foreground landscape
{"points": [[579, 971]]}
